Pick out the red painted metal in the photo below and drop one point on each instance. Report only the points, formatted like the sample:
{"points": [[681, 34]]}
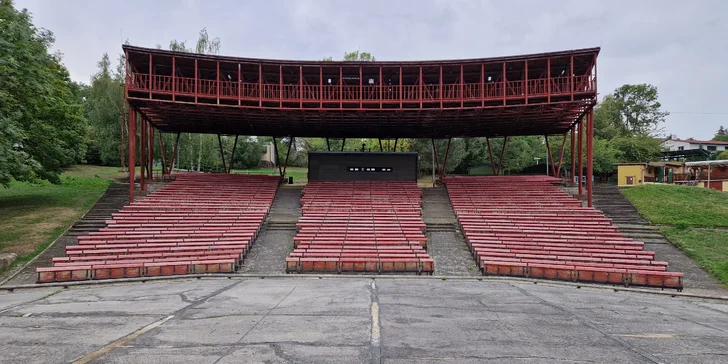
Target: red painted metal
{"points": [[174, 154], [573, 157], [436, 167], [132, 152], [150, 138], [240, 85], [490, 153], [580, 153], [222, 153], [260, 86], [443, 171], [291, 141], [505, 83], [328, 146], [381, 149], [551, 156], [525, 80], [395, 144], [548, 80], [174, 75], [163, 153], [142, 154], [589, 156], [571, 77], [343, 142], [277, 160], [196, 81], [232, 156], [503, 152], [561, 157]]}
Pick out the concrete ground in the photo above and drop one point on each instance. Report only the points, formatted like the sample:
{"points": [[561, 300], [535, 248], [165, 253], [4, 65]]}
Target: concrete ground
{"points": [[295, 319]]}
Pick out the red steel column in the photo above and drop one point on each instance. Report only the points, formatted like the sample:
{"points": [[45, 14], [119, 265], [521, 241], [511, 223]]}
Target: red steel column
{"points": [[573, 157], [143, 155], [580, 153], [163, 154], [132, 152], [589, 155], [443, 172], [150, 138]]}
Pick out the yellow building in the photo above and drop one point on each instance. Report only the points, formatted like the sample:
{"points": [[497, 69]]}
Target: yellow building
{"points": [[632, 174]]}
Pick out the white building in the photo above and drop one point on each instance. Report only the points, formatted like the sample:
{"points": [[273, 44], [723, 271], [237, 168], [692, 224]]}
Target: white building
{"points": [[680, 144]]}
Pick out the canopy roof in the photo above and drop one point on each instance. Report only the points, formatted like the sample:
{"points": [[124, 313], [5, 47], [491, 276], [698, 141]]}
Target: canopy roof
{"points": [[533, 94]]}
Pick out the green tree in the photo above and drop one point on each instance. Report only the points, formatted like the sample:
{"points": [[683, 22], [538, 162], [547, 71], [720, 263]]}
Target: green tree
{"points": [[639, 148], [722, 155], [639, 110], [105, 114], [721, 134], [355, 56], [42, 127]]}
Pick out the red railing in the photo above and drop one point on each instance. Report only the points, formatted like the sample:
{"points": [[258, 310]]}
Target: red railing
{"points": [[354, 93]]}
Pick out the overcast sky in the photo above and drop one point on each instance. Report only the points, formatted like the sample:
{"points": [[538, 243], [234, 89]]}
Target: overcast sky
{"points": [[678, 46]]}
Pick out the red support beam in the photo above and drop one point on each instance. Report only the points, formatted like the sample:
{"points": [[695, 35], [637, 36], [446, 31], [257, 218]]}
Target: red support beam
{"points": [[328, 146], [490, 153], [361, 83], [580, 154], [240, 85], [277, 160], [217, 81], [300, 87], [443, 171], [421, 84], [341, 90], [482, 85], [440, 87], [461, 93], [561, 157], [132, 152], [589, 156], [502, 154], [548, 80], [174, 154], [151, 76], [525, 80], [150, 138], [571, 77], [196, 81], [174, 81], [400, 87], [381, 149], [321, 91], [260, 85], [381, 87], [222, 153], [573, 157], [232, 156], [395, 144], [436, 154], [163, 153], [291, 141], [142, 155], [343, 142], [505, 84], [550, 156], [280, 86]]}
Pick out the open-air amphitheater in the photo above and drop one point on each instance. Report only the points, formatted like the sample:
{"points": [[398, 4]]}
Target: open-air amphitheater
{"points": [[361, 212]]}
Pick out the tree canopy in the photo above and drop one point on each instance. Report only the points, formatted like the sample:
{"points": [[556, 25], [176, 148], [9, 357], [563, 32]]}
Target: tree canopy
{"points": [[42, 126]]}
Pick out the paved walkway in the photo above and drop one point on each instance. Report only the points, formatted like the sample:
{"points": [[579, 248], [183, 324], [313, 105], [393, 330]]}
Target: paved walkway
{"points": [[356, 320]]}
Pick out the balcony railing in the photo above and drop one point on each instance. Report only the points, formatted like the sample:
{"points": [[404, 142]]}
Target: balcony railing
{"points": [[467, 92]]}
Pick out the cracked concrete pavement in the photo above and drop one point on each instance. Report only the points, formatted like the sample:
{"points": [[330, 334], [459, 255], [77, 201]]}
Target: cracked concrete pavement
{"points": [[356, 320]]}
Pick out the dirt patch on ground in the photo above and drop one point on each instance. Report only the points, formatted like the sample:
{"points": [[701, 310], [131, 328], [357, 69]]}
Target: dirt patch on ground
{"points": [[23, 234]]}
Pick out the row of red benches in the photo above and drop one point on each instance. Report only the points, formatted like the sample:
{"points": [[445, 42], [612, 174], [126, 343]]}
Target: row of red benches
{"points": [[360, 226], [526, 226], [200, 223]]}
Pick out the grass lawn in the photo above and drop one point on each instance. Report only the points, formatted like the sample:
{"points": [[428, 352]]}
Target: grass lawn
{"points": [[299, 174], [707, 247], [33, 215], [680, 205]]}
